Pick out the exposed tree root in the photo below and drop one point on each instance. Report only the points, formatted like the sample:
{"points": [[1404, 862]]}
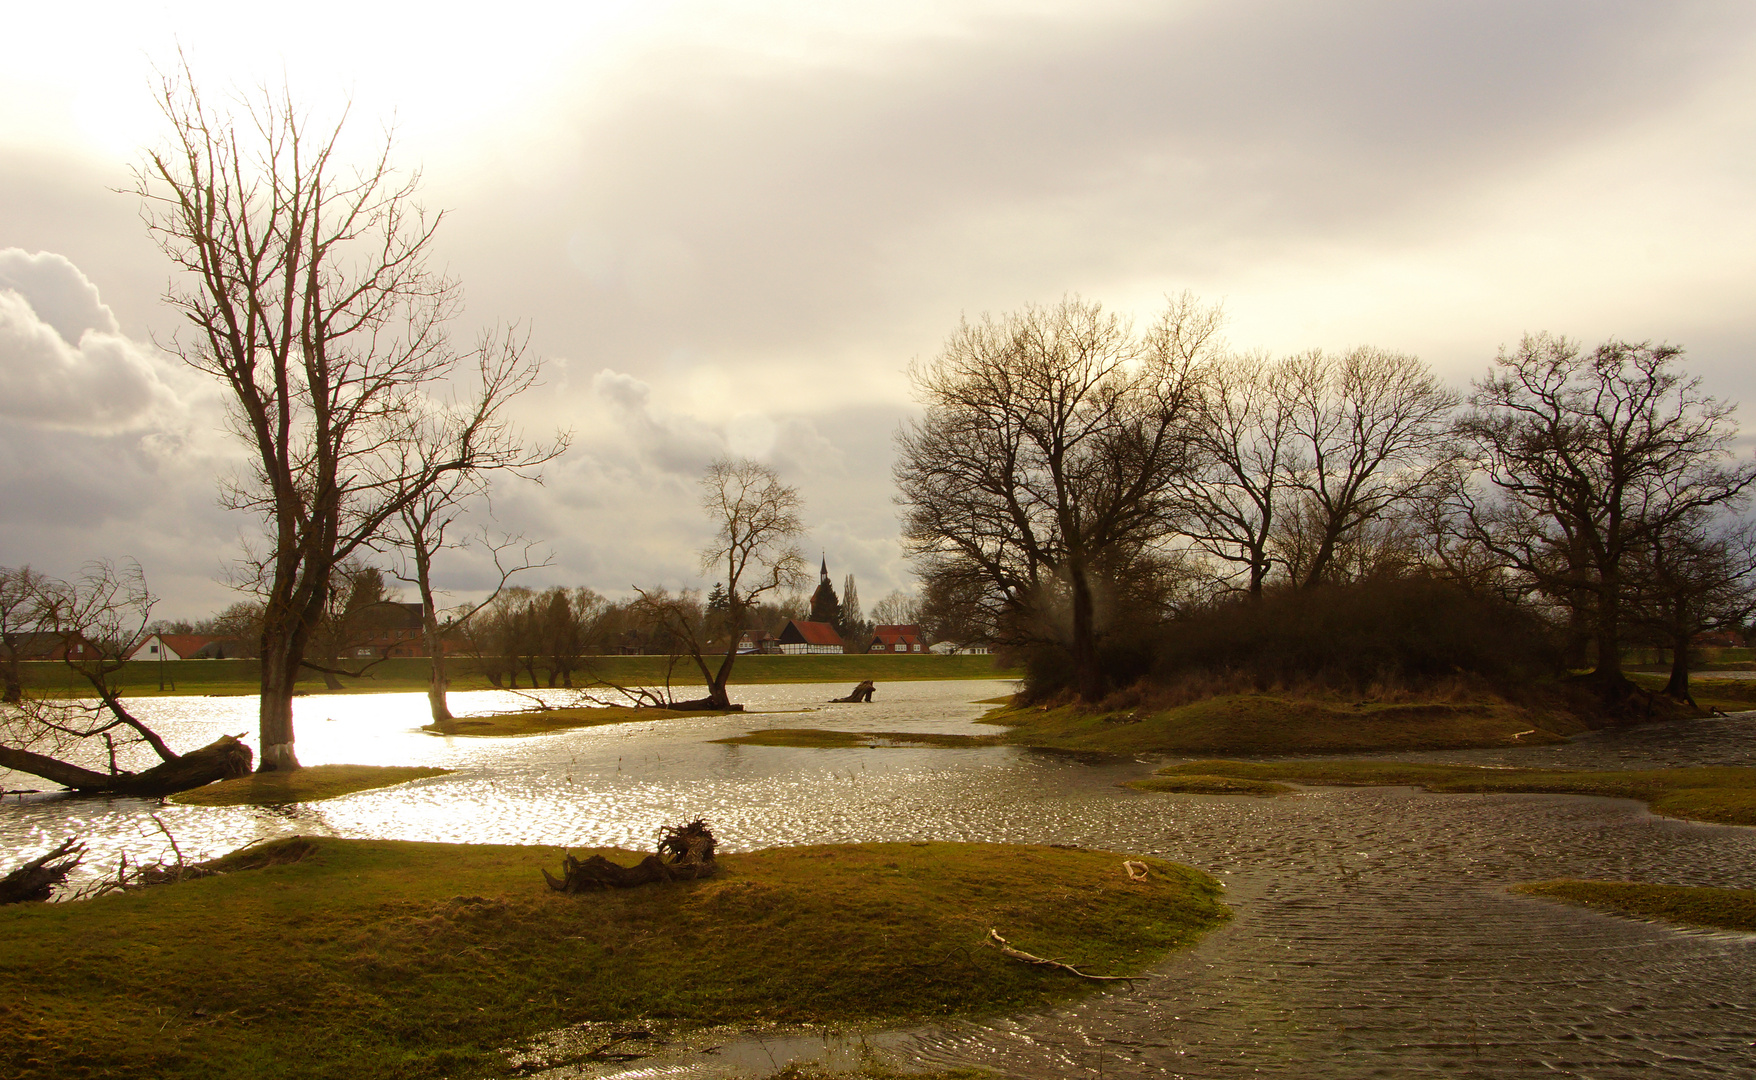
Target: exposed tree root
{"points": [[36, 880]]}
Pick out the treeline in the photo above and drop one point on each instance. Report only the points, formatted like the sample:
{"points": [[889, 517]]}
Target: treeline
{"points": [[1118, 505]]}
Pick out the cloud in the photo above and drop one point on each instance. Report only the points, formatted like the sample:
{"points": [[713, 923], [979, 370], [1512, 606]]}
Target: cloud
{"points": [[64, 362]]}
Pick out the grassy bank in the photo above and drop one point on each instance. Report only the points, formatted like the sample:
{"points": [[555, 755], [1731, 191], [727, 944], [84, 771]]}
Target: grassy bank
{"points": [[826, 739], [1719, 909], [311, 784], [1282, 724], [1726, 695], [538, 721], [376, 958], [142, 678], [1719, 794]]}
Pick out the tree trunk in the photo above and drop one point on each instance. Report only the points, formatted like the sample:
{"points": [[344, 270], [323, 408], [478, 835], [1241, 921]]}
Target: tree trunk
{"points": [[1088, 676], [1678, 686], [280, 672], [222, 759], [36, 880]]}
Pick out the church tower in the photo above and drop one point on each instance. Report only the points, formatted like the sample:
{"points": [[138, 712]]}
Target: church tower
{"points": [[825, 605]]}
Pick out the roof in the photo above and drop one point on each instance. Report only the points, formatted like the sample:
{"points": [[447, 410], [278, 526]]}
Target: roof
{"points": [[811, 633], [897, 632], [187, 645]]}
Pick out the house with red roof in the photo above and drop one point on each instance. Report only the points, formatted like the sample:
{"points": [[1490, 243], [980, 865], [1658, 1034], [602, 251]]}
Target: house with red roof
{"points": [[904, 638], [802, 638]]}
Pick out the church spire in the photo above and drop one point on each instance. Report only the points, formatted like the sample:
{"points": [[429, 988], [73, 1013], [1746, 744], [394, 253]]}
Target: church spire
{"points": [[825, 567]]}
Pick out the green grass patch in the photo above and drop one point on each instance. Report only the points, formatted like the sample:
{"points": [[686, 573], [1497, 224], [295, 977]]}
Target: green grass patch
{"points": [[142, 678], [1722, 794], [538, 721], [1726, 695], [380, 958], [1720, 909], [1281, 724], [311, 784], [1199, 784], [823, 739]]}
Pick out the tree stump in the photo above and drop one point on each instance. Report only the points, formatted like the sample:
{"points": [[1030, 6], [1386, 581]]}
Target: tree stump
{"points": [[862, 692], [689, 846]]}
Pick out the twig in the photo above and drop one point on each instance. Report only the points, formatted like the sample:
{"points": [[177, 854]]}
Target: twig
{"points": [[994, 940]]}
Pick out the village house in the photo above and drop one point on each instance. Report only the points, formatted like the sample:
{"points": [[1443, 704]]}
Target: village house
{"points": [[896, 639], [51, 645], [185, 647], [801, 638]]}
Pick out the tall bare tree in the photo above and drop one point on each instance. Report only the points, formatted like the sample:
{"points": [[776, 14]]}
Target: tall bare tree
{"points": [[1590, 458], [22, 614], [1242, 443], [1046, 463], [1368, 431], [306, 291], [1698, 574]]}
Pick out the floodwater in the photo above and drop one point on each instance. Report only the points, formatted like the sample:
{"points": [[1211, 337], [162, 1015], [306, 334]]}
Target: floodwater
{"points": [[1374, 935]]}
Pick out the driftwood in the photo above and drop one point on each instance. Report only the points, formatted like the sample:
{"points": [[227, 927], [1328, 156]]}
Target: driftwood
{"points": [[994, 940], [222, 759], [689, 848], [36, 880], [862, 692], [705, 704]]}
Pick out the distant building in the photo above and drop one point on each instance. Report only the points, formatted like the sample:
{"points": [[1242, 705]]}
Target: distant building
{"points": [[952, 648], [756, 642], [809, 638], [896, 639], [186, 647], [825, 605], [48, 645]]}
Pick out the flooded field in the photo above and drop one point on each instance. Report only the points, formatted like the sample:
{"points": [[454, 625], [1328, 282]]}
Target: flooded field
{"points": [[1373, 931]]}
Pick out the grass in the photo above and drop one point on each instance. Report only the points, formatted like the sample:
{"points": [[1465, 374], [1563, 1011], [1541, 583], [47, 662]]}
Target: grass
{"points": [[382, 958], [1202, 784], [1720, 909], [1722, 794], [538, 721], [1280, 724], [311, 784], [235, 677], [1726, 695], [824, 739]]}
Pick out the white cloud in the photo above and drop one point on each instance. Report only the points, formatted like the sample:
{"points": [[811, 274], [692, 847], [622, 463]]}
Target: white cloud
{"points": [[63, 360]]}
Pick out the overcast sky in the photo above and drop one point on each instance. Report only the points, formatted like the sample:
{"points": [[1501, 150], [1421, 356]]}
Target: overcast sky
{"points": [[731, 226]]}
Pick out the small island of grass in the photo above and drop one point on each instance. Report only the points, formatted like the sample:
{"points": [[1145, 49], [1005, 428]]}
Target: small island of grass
{"points": [[541, 721], [1721, 794], [1718, 909], [311, 784], [382, 958]]}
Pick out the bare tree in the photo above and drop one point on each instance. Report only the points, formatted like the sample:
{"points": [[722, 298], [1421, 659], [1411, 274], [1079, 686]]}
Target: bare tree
{"points": [[755, 552], [1243, 444], [1698, 574], [896, 609], [1368, 431], [1046, 464], [97, 618], [1588, 460], [308, 294], [21, 618]]}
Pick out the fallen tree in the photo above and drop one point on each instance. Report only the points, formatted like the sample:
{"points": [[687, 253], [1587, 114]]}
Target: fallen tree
{"points": [[860, 693], [36, 879], [97, 619], [223, 759], [690, 848]]}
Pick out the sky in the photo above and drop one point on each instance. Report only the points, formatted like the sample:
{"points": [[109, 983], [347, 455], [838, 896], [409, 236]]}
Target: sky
{"points": [[730, 227]]}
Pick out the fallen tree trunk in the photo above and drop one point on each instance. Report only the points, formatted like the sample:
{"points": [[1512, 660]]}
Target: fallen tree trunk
{"points": [[222, 759], [690, 847], [36, 880], [705, 704]]}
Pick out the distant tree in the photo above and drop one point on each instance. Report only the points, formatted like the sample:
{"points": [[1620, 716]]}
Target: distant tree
{"points": [[756, 547], [716, 598], [1698, 574], [22, 611], [1589, 459], [850, 621], [1047, 463], [896, 609]]}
